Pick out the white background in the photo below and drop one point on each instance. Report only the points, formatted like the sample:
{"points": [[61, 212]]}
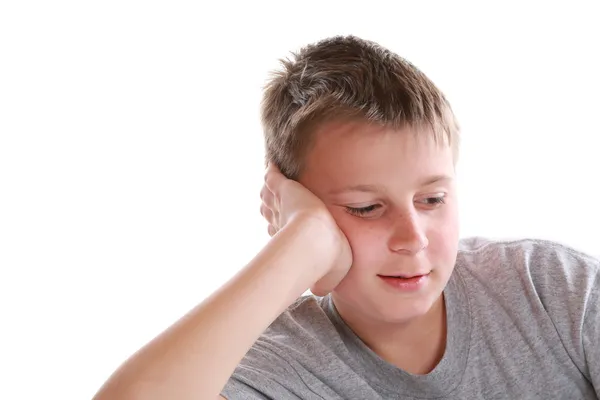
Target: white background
{"points": [[131, 153]]}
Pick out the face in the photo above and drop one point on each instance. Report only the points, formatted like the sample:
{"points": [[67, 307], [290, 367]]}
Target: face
{"points": [[393, 195]]}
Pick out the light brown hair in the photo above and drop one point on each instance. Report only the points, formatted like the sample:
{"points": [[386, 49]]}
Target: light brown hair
{"points": [[345, 77]]}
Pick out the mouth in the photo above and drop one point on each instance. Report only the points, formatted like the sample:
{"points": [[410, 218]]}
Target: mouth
{"points": [[406, 283], [415, 276]]}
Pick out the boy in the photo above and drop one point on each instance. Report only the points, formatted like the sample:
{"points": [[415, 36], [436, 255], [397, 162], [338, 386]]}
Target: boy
{"points": [[361, 203]]}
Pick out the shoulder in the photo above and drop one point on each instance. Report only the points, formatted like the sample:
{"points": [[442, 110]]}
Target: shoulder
{"points": [[559, 276], [540, 289], [536, 256], [535, 281]]}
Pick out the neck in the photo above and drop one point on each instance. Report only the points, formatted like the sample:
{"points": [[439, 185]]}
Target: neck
{"points": [[415, 346]]}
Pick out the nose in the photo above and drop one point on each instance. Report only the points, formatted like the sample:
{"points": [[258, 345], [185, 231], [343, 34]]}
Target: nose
{"points": [[408, 234]]}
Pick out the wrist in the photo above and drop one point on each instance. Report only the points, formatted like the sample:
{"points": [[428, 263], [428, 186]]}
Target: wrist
{"points": [[321, 241]]}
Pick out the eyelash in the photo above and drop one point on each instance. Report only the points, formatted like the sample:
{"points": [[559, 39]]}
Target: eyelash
{"points": [[362, 211], [437, 200]]}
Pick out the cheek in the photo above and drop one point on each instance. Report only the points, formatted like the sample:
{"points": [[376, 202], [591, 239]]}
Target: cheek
{"points": [[443, 236], [366, 239]]}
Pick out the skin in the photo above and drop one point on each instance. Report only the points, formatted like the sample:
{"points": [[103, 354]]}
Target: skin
{"points": [[393, 196], [399, 226]]}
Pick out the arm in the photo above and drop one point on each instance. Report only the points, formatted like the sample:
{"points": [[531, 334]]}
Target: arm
{"points": [[195, 357]]}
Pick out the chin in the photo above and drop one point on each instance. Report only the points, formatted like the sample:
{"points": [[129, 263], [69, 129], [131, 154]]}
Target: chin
{"points": [[404, 310], [388, 310]]}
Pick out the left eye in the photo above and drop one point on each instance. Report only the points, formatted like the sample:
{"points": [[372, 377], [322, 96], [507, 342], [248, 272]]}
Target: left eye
{"points": [[433, 201]]}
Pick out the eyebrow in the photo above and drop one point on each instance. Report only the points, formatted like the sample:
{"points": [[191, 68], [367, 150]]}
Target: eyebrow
{"points": [[436, 179], [376, 188]]}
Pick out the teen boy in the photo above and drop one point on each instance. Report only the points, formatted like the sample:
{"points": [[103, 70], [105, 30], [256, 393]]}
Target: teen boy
{"points": [[361, 201]]}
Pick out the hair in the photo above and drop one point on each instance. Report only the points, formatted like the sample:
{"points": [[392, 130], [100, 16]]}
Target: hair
{"points": [[345, 77]]}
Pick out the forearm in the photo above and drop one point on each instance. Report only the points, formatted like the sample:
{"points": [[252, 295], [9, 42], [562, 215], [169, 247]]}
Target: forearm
{"points": [[195, 357]]}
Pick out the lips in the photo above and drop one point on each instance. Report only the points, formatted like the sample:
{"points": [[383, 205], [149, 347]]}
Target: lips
{"points": [[406, 283], [404, 276]]}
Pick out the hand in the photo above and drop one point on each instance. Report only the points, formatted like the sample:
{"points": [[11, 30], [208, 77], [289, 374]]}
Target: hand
{"points": [[285, 200]]}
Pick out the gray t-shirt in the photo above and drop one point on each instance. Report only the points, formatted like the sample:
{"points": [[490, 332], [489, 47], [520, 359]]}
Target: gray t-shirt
{"points": [[523, 323]]}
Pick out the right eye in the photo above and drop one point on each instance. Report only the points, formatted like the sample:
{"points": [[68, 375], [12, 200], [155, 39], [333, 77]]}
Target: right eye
{"points": [[363, 211]]}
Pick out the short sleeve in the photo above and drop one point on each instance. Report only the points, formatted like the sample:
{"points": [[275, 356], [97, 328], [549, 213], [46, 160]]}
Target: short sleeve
{"points": [[591, 335], [566, 281]]}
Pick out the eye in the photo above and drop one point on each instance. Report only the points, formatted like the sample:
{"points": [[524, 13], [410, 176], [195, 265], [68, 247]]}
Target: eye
{"points": [[363, 211], [434, 201]]}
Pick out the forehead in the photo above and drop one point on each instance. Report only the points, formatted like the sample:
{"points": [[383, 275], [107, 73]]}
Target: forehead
{"points": [[361, 153]]}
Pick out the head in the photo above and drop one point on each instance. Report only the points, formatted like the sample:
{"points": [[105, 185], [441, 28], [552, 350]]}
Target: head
{"points": [[376, 140]]}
